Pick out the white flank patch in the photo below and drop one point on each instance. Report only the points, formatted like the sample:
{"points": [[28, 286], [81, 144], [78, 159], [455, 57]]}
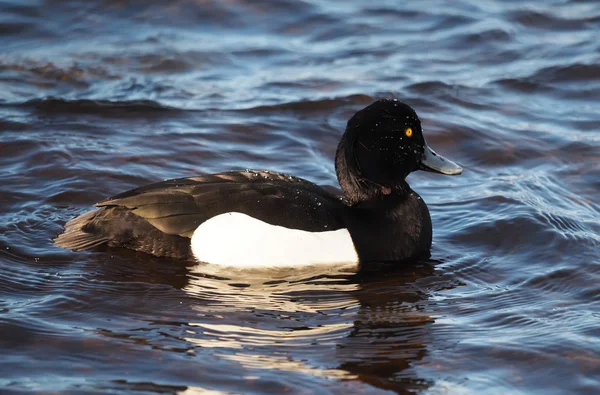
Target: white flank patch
{"points": [[238, 240]]}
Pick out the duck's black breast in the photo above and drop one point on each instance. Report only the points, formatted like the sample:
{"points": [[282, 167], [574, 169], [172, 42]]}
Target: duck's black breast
{"points": [[393, 229], [179, 206]]}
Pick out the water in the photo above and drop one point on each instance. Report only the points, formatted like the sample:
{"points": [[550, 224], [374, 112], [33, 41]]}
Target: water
{"points": [[97, 97]]}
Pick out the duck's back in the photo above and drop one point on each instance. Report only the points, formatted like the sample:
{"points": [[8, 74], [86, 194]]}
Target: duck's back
{"points": [[217, 216]]}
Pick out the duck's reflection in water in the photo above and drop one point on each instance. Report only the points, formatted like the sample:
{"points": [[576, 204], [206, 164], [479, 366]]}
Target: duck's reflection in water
{"points": [[298, 328], [389, 331], [322, 323]]}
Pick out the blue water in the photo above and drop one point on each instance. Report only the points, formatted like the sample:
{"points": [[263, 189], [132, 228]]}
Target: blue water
{"points": [[97, 97]]}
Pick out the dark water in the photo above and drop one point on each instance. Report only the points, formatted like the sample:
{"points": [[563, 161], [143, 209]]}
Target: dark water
{"points": [[97, 97]]}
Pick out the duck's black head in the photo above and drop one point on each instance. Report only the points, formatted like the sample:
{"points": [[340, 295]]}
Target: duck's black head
{"points": [[382, 144]]}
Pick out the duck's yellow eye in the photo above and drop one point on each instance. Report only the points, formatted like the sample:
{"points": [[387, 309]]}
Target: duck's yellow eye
{"points": [[408, 132]]}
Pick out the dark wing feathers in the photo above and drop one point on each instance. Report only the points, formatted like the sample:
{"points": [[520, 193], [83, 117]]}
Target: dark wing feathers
{"points": [[235, 177], [179, 206], [149, 197], [167, 213], [177, 224]]}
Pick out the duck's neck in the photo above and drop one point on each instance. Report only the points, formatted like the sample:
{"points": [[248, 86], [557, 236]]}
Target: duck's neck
{"points": [[386, 222], [360, 190]]}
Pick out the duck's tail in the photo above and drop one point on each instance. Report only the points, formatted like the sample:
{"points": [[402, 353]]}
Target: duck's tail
{"points": [[76, 238]]}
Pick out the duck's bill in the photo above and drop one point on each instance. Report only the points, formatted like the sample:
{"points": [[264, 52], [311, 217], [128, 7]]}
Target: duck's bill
{"points": [[438, 164]]}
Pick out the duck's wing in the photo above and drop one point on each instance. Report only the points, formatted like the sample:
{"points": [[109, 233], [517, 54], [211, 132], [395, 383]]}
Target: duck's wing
{"points": [[179, 206]]}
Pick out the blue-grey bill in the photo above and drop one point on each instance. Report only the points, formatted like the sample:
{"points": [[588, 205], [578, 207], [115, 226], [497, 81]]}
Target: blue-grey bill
{"points": [[437, 163]]}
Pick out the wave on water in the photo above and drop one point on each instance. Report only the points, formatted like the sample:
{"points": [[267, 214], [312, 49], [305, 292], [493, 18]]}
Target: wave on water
{"points": [[101, 107]]}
